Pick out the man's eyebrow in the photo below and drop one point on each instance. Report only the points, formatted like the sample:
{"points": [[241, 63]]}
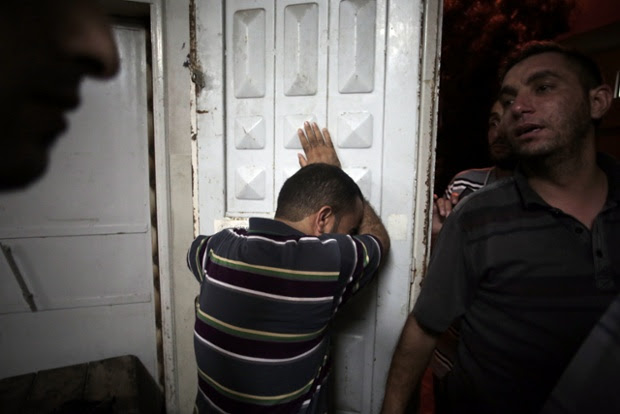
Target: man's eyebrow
{"points": [[507, 90], [541, 75], [536, 76]]}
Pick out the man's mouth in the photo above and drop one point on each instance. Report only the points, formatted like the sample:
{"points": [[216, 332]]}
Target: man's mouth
{"points": [[526, 129]]}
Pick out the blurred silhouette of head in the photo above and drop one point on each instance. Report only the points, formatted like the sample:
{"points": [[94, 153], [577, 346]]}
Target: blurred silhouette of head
{"points": [[47, 48]]}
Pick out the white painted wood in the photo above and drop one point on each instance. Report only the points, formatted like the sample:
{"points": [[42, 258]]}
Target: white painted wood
{"points": [[355, 112], [249, 103], [80, 271], [429, 101], [356, 69], [406, 154], [59, 231], [367, 93], [301, 79], [172, 105], [44, 340]]}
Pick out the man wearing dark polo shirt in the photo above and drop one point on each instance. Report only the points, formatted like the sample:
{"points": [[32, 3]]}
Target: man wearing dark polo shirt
{"points": [[269, 293], [529, 263]]}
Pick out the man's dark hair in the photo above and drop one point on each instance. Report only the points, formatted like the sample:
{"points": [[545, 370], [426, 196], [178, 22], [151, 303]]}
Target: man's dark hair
{"points": [[587, 70], [315, 186]]}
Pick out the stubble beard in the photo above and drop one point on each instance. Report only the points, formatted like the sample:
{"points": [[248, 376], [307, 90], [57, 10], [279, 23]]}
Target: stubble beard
{"points": [[564, 149], [568, 138]]}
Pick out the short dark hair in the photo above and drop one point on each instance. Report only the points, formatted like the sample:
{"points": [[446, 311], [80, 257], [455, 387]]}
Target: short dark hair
{"points": [[315, 186], [586, 69]]}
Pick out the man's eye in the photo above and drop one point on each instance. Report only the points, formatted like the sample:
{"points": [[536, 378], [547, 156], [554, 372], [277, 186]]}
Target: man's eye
{"points": [[506, 102], [543, 88]]}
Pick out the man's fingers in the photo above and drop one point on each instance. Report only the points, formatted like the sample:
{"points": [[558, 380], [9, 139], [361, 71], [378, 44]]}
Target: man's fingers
{"points": [[454, 198], [317, 133], [312, 139], [304, 141], [302, 160], [441, 206], [327, 138], [444, 206]]}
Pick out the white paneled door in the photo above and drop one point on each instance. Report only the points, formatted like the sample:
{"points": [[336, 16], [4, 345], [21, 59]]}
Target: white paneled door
{"points": [[350, 65], [80, 238]]}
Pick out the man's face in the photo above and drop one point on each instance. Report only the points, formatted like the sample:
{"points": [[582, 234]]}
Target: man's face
{"points": [[46, 47], [349, 221], [546, 107], [499, 147]]}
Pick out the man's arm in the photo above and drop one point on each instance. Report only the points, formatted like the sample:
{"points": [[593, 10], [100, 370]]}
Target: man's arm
{"points": [[318, 148], [371, 224], [410, 359], [442, 207]]}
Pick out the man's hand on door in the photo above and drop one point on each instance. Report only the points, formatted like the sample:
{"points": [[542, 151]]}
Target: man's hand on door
{"points": [[317, 146]]}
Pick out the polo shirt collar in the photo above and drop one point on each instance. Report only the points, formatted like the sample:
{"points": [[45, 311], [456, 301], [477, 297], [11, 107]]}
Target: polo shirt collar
{"points": [[608, 164], [269, 226]]}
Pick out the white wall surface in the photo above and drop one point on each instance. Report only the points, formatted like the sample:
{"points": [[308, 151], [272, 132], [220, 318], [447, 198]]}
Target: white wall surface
{"points": [[81, 236]]}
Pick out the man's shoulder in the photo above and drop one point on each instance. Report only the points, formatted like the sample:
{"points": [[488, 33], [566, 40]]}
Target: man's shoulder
{"points": [[496, 196], [472, 173], [472, 179]]}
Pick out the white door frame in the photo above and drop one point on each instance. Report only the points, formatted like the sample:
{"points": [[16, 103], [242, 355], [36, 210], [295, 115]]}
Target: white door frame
{"points": [[172, 150]]}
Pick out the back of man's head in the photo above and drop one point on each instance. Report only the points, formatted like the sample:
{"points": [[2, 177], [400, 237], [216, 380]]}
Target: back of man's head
{"points": [[586, 69], [315, 186]]}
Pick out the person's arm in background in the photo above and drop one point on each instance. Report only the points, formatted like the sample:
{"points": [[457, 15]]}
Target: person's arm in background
{"points": [[442, 207], [318, 148], [411, 357]]}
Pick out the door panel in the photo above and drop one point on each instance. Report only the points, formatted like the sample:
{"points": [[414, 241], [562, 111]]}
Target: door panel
{"points": [[249, 101], [81, 236], [369, 92], [301, 79], [78, 271], [328, 67]]}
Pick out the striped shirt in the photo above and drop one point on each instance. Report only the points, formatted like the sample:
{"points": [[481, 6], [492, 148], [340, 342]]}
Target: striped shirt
{"points": [[267, 297], [529, 282], [468, 181]]}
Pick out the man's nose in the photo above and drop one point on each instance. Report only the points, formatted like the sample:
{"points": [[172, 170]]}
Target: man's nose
{"points": [[89, 39], [522, 104]]}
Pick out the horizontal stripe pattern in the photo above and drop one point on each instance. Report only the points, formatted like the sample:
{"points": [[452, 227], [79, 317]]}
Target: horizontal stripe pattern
{"points": [[469, 181], [268, 295]]}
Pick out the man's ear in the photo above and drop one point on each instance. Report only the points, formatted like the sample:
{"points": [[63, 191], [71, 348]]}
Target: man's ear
{"points": [[600, 101], [323, 220]]}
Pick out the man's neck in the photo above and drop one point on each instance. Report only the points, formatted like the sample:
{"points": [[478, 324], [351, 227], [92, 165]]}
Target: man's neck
{"points": [[574, 184], [502, 172], [304, 226]]}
